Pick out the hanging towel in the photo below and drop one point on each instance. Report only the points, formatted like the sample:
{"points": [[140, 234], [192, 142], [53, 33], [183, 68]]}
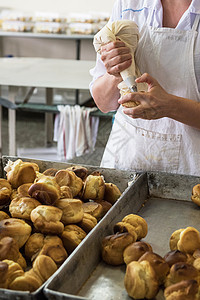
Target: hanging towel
{"points": [[75, 131]]}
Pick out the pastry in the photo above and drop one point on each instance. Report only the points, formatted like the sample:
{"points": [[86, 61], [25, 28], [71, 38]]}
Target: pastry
{"points": [[181, 271], [113, 247], [72, 210], [14, 271], [44, 267], [158, 263], [196, 194], [5, 191], [66, 192], [105, 205], [175, 256], [22, 190], [3, 274], [184, 290], [186, 240], [88, 222], [45, 190], [55, 250], [50, 172], [25, 282], [3, 215], [135, 250], [22, 207], [9, 250], [46, 219], [34, 245], [72, 236], [20, 172], [94, 188], [138, 223], [140, 280], [112, 193], [121, 227], [93, 208], [15, 228], [69, 178], [80, 171]]}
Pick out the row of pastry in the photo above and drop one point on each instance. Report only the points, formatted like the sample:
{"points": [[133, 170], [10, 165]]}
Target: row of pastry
{"points": [[177, 273], [44, 217]]}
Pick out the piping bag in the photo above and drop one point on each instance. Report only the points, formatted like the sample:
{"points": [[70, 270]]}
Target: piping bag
{"points": [[127, 32]]}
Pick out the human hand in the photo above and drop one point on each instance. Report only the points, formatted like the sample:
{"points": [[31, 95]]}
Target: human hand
{"points": [[154, 104], [116, 57]]}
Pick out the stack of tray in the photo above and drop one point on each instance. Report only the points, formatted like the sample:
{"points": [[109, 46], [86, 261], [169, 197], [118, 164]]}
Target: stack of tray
{"points": [[163, 200], [120, 178]]}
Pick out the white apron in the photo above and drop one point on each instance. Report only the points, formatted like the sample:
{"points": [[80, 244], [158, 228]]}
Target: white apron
{"points": [[163, 144]]}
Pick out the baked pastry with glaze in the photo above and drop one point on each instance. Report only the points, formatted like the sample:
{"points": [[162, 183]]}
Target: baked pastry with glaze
{"points": [[93, 208], [45, 190], [22, 207], [181, 271], [72, 210], [5, 191], [113, 247], [69, 178], [88, 222], [135, 250], [158, 263], [196, 194], [46, 219], [94, 188], [3, 215], [25, 282], [15, 228], [175, 256], [44, 267], [140, 280], [112, 193], [72, 236], [184, 290], [20, 172]]}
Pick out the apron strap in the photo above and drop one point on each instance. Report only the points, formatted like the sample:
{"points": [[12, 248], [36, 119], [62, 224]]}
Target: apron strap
{"points": [[196, 22]]}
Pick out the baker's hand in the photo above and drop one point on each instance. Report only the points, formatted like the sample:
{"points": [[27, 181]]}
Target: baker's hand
{"points": [[116, 57], [154, 104]]}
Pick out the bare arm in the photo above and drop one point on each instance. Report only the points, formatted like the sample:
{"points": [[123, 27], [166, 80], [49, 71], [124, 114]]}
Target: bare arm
{"points": [[116, 58], [157, 103]]}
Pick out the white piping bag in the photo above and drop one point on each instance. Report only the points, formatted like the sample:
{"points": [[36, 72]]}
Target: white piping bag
{"points": [[127, 32]]}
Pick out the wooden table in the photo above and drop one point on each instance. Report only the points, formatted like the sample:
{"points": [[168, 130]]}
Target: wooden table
{"points": [[41, 72]]}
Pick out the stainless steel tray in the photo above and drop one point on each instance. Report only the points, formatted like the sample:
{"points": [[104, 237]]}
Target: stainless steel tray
{"points": [[120, 178], [164, 200]]}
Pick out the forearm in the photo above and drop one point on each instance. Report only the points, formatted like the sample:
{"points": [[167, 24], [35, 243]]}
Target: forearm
{"points": [[105, 92], [185, 111]]}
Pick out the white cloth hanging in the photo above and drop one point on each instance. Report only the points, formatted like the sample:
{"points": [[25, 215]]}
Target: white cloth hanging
{"points": [[75, 131]]}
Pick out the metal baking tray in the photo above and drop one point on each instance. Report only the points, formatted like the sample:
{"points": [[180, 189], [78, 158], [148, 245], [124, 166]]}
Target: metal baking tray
{"points": [[120, 178], [164, 201]]}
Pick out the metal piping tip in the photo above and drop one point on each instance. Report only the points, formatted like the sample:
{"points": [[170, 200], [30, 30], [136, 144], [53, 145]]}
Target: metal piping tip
{"points": [[133, 88]]}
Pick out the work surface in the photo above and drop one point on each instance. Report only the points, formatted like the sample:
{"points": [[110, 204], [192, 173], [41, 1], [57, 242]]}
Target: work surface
{"points": [[44, 72]]}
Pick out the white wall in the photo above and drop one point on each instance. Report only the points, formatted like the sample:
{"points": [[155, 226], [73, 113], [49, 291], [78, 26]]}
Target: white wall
{"points": [[60, 6]]}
